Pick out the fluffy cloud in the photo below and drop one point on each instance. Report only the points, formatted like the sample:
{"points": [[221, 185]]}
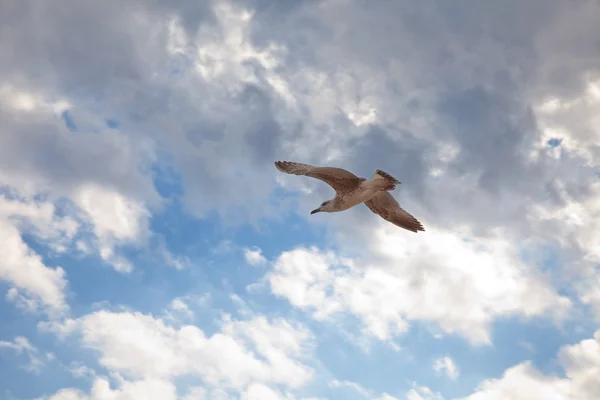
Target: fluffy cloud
{"points": [[164, 390], [460, 284], [35, 286], [242, 353], [580, 361], [254, 257]]}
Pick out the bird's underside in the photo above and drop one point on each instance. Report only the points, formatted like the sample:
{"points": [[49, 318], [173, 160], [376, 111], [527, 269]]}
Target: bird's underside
{"points": [[349, 186]]}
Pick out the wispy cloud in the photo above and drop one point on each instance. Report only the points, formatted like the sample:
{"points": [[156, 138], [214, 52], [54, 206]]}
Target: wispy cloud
{"points": [[446, 366], [21, 345]]}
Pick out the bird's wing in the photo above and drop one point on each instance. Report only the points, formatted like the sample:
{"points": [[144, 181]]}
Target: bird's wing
{"points": [[339, 179], [386, 206]]}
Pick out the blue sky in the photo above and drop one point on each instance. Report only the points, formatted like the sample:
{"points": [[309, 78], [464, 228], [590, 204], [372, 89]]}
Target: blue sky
{"points": [[151, 250]]}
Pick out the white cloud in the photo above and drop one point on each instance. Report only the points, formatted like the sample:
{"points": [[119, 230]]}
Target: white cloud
{"points": [[357, 388], [99, 181], [179, 307], [350, 385], [446, 365], [156, 389], [386, 396], [523, 382], [79, 370], [258, 391], [115, 219], [573, 121], [35, 285], [578, 236], [151, 389], [580, 361], [143, 347], [254, 257], [459, 284], [196, 393], [423, 393]]}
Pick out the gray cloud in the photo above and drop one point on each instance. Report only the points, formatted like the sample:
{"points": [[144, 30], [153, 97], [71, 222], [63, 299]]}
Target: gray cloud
{"points": [[465, 76]]}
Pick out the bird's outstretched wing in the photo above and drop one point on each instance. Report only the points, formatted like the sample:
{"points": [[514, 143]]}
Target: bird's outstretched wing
{"points": [[339, 179], [386, 206]]}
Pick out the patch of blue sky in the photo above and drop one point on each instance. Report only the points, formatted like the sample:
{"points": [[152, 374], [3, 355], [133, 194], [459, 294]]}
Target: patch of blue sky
{"points": [[68, 120], [53, 375], [179, 64], [112, 123], [419, 349], [554, 142], [17, 382]]}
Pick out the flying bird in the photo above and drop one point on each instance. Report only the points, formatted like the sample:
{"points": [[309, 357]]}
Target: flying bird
{"points": [[351, 190]]}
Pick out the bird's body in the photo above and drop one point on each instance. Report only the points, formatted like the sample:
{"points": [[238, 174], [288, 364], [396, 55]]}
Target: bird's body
{"points": [[351, 190], [350, 197]]}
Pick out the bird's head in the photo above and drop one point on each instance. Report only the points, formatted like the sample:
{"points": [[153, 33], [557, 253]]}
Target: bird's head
{"points": [[324, 207]]}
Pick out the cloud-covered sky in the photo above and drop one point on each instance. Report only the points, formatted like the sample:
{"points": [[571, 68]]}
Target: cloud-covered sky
{"points": [[150, 249]]}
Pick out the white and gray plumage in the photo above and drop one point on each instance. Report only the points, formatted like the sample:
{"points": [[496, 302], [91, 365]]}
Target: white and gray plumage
{"points": [[351, 190]]}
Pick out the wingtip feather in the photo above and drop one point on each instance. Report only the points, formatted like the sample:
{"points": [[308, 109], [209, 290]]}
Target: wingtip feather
{"points": [[387, 176]]}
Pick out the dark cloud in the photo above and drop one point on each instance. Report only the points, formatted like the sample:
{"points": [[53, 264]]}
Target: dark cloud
{"points": [[398, 153], [264, 132], [494, 135], [465, 74], [41, 150], [295, 83]]}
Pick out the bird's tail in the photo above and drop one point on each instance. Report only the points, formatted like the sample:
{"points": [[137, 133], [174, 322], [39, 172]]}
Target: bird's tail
{"points": [[384, 180]]}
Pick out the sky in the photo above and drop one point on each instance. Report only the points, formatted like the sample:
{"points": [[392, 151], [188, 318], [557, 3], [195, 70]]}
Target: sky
{"points": [[151, 250]]}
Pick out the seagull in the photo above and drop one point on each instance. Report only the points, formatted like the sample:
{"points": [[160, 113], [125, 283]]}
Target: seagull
{"points": [[351, 190]]}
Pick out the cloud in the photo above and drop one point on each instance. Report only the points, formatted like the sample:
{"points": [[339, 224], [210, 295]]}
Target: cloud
{"points": [[460, 284], [258, 391], [151, 389], [140, 346], [35, 286], [350, 385], [179, 309], [163, 390], [461, 101], [422, 393], [254, 257], [21, 345], [581, 363], [446, 365], [521, 382], [353, 387], [247, 90], [114, 218], [95, 180], [386, 396]]}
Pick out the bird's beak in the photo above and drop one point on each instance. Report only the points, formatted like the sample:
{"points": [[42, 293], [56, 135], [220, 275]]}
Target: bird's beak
{"points": [[315, 211]]}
